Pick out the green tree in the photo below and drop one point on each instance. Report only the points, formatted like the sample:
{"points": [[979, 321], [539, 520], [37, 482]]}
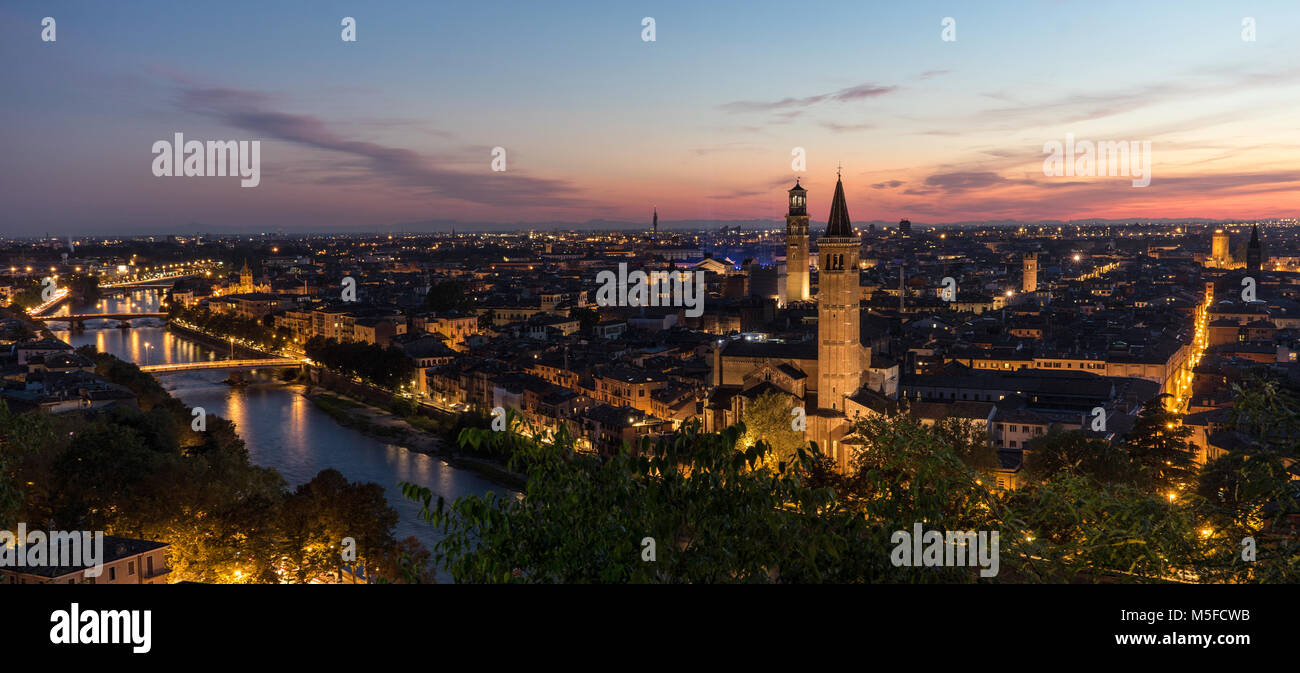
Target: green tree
{"points": [[769, 418], [1074, 452], [448, 295], [1073, 529], [970, 442], [11, 498], [706, 512], [1159, 449], [320, 514]]}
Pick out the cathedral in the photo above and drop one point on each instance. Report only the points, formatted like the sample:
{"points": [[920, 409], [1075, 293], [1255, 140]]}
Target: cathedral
{"points": [[248, 283], [822, 375]]}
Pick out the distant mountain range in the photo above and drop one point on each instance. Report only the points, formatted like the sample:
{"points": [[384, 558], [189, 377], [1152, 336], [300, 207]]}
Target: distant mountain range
{"points": [[436, 226], [695, 225]]}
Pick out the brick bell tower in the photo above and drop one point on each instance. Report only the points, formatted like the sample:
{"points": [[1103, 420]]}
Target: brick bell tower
{"points": [[839, 346], [796, 246]]}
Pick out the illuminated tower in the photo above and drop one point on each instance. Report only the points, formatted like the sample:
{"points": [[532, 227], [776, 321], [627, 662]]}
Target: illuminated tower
{"points": [[796, 246], [245, 279], [1029, 277], [839, 349], [1219, 249]]}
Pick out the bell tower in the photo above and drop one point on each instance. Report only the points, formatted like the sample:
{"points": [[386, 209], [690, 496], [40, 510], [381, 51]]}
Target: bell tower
{"points": [[1029, 273], [796, 246], [839, 345]]}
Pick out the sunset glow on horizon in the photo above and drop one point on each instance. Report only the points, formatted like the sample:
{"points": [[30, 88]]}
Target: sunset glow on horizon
{"points": [[399, 127]]}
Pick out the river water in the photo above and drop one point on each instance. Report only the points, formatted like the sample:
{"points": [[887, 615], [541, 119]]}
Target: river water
{"points": [[280, 426]]}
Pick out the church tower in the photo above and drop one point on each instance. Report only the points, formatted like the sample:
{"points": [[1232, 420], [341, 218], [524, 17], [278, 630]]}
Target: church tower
{"points": [[839, 348], [246, 284], [1254, 255], [796, 246], [1029, 274]]}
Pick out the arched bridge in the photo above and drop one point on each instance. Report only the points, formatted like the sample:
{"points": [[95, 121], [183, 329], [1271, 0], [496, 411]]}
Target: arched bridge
{"points": [[222, 364], [158, 282]]}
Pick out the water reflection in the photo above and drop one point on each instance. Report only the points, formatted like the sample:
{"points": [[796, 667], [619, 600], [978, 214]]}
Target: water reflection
{"points": [[283, 430], [141, 345], [135, 301]]}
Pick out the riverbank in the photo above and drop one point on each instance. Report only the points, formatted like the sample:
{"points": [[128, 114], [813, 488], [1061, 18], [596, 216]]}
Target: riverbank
{"points": [[384, 425], [213, 342], [364, 407]]}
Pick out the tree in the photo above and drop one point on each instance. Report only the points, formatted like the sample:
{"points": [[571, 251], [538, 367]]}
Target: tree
{"points": [[389, 367], [1159, 449], [10, 497], [1251, 492], [409, 563], [768, 418], [317, 517], [146, 474], [84, 287], [448, 295], [1074, 452], [706, 512], [402, 407], [1074, 529], [1266, 416], [970, 442], [689, 508]]}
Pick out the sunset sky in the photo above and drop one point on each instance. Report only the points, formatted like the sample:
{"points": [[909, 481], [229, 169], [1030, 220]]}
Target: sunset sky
{"points": [[598, 124]]}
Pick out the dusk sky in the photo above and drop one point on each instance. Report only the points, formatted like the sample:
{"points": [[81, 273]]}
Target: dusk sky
{"points": [[598, 124]]}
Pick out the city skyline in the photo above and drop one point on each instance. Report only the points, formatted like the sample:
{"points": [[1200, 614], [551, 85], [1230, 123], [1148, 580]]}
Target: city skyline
{"points": [[700, 123]]}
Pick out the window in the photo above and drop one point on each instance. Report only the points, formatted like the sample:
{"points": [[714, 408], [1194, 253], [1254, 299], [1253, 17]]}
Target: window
{"points": [[130, 567], [112, 574]]}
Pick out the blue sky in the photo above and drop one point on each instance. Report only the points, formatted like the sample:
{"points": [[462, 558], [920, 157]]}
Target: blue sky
{"points": [[597, 124]]}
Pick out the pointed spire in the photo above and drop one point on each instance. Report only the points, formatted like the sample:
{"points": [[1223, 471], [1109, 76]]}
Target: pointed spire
{"points": [[838, 223], [1254, 235]]}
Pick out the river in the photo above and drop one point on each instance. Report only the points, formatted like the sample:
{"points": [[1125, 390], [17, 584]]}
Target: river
{"points": [[280, 426]]}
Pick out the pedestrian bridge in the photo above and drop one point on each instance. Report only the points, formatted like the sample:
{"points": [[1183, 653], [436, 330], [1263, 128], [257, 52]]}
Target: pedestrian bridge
{"points": [[261, 363]]}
